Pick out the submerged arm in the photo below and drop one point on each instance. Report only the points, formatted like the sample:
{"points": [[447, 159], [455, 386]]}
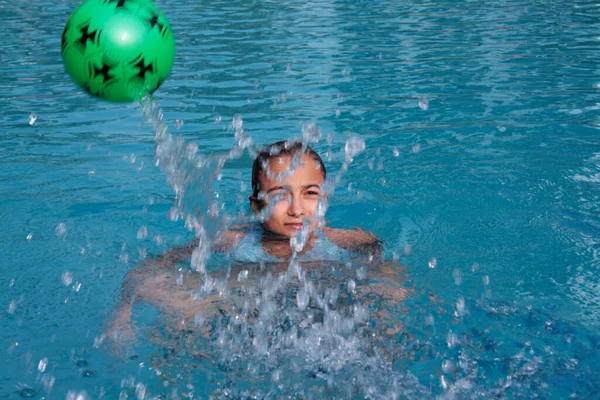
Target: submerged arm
{"points": [[228, 241], [120, 329]]}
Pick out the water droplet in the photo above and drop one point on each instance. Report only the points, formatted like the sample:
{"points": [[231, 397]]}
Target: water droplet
{"points": [[407, 249], [448, 366], [432, 263], [311, 132], [430, 320], [474, 267], [361, 274], [88, 373], [416, 148], [67, 278], [423, 103], [457, 275], [48, 382], [243, 276], [178, 123], [43, 364], [461, 307], [236, 124], [140, 391], [501, 128], [302, 299], [32, 118], [451, 339], [571, 363], [12, 306], [338, 112], [142, 233], [351, 285], [218, 119], [29, 236], [486, 280], [443, 382], [353, 147], [396, 152], [61, 230]]}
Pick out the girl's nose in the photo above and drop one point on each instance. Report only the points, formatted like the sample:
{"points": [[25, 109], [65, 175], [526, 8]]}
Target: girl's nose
{"points": [[296, 209]]}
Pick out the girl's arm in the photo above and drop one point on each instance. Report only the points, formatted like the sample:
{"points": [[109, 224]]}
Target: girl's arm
{"points": [[227, 242], [356, 241]]}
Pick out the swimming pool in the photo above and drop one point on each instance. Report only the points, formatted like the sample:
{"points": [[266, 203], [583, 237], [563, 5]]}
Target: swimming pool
{"points": [[480, 173]]}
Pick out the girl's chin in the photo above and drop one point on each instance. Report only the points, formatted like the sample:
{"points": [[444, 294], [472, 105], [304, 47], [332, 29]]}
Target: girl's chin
{"points": [[286, 233]]}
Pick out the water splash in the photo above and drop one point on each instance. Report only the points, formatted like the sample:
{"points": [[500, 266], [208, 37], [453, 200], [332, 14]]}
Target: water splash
{"points": [[191, 175], [273, 327]]}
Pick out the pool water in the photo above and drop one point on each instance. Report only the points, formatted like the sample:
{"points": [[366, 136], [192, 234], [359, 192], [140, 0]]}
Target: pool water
{"points": [[481, 174]]}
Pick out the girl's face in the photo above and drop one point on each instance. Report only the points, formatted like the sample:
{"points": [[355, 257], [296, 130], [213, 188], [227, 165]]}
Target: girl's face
{"points": [[292, 199]]}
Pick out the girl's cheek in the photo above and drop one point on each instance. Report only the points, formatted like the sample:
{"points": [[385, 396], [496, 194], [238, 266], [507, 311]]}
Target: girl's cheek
{"points": [[278, 208]]}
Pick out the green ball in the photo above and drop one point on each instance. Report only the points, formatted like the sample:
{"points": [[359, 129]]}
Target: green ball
{"points": [[118, 50]]}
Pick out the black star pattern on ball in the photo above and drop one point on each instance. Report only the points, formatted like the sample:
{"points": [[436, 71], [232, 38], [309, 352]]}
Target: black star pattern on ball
{"points": [[104, 71], [143, 69], [154, 21], [120, 3], [86, 34]]}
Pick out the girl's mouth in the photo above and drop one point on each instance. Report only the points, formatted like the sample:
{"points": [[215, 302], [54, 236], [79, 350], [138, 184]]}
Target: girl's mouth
{"points": [[296, 226]]}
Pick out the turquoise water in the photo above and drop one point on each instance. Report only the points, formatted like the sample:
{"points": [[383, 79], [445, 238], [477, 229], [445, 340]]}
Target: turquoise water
{"points": [[481, 173]]}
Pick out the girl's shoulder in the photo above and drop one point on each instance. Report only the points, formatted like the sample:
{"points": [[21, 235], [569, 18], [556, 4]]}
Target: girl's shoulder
{"points": [[354, 240], [232, 237]]}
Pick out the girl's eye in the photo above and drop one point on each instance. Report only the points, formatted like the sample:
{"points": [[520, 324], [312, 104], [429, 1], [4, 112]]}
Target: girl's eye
{"points": [[313, 193], [278, 195]]}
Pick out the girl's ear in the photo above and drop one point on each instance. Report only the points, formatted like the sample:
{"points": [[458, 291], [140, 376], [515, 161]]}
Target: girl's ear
{"points": [[255, 203]]}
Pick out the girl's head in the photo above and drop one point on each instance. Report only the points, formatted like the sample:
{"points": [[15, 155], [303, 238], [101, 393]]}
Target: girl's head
{"points": [[291, 194]]}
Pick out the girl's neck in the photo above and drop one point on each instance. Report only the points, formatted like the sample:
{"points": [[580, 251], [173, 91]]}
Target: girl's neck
{"points": [[279, 245]]}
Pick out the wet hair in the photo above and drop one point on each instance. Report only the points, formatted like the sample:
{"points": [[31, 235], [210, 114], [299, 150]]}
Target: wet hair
{"points": [[277, 149]]}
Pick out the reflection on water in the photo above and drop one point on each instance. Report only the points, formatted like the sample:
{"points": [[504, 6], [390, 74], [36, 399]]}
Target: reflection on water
{"points": [[477, 129]]}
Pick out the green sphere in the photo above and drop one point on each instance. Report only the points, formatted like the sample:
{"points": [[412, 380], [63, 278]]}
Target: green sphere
{"points": [[118, 50]]}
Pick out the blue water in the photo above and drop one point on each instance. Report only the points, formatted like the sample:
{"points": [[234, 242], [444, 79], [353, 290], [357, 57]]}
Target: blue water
{"points": [[481, 173]]}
